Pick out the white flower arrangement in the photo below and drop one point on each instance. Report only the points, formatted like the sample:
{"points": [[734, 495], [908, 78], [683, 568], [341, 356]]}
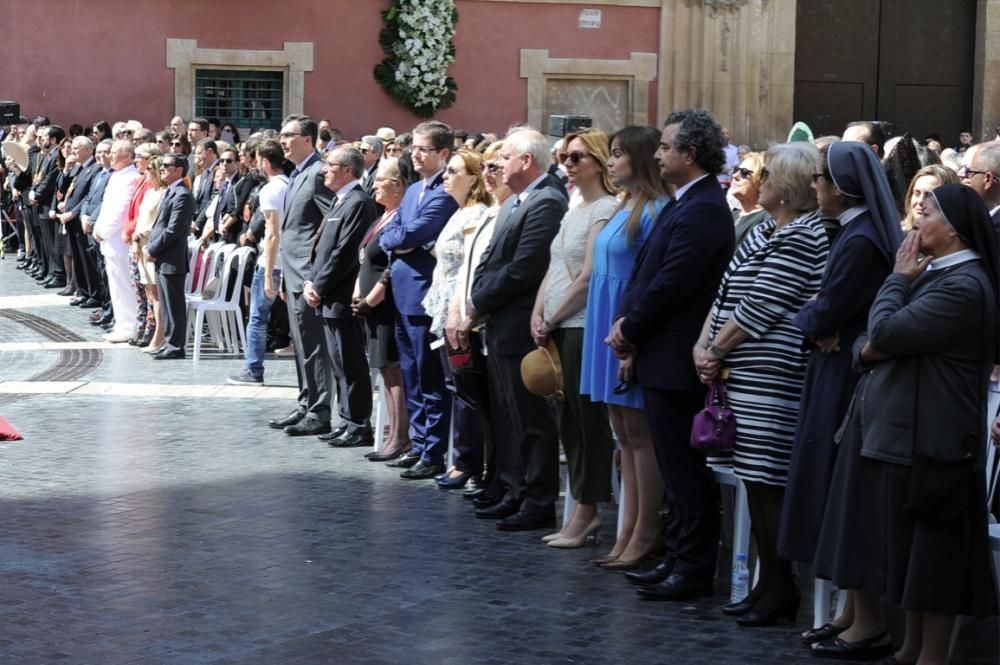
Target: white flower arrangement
{"points": [[417, 43]]}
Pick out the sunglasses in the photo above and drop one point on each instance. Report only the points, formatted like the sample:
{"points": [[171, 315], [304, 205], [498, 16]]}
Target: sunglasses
{"points": [[574, 157], [492, 167], [176, 143], [227, 160], [746, 174]]}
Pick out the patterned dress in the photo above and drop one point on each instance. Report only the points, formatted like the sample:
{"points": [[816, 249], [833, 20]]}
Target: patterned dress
{"points": [[449, 251], [771, 276]]}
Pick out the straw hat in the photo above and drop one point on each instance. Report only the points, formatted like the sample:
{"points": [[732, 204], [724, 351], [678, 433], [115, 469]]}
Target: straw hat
{"points": [[387, 134], [16, 153], [541, 371]]}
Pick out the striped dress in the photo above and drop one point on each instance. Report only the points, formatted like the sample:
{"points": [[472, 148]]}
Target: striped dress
{"points": [[768, 280]]}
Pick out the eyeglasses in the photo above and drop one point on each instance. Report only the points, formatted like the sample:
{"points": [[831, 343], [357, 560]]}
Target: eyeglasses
{"points": [[364, 151], [746, 174], [289, 135], [574, 157], [227, 160], [176, 143], [380, 179], [451, 170], [968, 173], [330, 165], [425, 149], [164, 167], [492, 167]]}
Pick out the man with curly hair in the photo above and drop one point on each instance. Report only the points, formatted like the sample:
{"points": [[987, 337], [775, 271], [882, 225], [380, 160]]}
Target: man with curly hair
{"points": [[668, 296]]}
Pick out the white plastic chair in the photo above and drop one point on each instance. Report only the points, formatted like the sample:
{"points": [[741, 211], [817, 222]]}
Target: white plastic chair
{"points": [[193, 245], [229, 310], [724, 475], [213, 255]]}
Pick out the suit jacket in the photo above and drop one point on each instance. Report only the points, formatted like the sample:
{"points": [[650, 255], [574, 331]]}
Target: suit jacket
{"points": [[92, 203], [169, 236], [81, 187], [203, 195], [335, 264], [512, 268], [45, 188], [306, 203], [417, 226], [673, 284]]}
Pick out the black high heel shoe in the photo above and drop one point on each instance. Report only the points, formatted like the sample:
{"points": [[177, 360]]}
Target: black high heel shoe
{"points": [[768, 617]]}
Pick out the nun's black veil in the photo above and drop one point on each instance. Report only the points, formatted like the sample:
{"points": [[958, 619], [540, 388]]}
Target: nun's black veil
{"points": [[965, 211]]}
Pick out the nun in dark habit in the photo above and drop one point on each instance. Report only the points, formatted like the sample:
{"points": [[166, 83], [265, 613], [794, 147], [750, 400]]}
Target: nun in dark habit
{"points": [[852, 189], [910, 520]]}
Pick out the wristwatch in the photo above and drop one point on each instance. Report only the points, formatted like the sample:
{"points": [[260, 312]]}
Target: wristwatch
{"points": [[717, 352]]}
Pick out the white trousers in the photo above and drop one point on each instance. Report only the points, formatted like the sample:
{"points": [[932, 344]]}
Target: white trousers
{"points": [[123, 297]]}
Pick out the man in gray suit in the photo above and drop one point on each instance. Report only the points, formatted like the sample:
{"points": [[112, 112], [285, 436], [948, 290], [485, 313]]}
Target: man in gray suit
{"points": [[306, 203], [981, 171]]}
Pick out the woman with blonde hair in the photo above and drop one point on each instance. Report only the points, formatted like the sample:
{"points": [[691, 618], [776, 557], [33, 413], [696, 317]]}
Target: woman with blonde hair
{"points": [[463, 180], [560, 312], [745, 190], [145, 316], [924, 182], [146, 217]]}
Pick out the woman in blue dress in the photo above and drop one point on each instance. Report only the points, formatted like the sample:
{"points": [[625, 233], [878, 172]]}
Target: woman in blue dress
{"points": [[603, 376]]}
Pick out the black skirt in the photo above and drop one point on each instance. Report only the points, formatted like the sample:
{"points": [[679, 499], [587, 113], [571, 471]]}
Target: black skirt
{"points": [[868, 542]]}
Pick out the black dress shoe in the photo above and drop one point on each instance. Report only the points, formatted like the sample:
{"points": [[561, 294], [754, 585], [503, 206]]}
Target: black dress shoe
{"points": [[171, 354], [357, 439], [456, 483], [764, 616], [654, 576], [90, 303], [825, 632], [871, 648], [404, 462], [676, 587], [384, 457], [335, 433], [308, 426], [473, 493], [55, 284], [485, 500], [68, 291], [528, 520], [422, 471], [738, 608], [77, 301], [502, 510], [291, 419]]}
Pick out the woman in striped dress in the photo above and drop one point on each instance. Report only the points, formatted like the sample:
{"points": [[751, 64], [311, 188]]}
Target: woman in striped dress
{"points": [[749, 332]]}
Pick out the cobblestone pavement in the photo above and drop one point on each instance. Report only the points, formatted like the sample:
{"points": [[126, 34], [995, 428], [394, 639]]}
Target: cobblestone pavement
{"points": [[179, 530]]}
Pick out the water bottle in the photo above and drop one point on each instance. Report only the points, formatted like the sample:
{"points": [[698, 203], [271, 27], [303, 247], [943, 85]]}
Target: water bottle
{"points": [[741, 579]]}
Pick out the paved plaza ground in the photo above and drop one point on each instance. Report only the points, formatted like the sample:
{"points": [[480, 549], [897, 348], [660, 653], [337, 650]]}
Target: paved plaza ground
{"points": [[151, 517]]}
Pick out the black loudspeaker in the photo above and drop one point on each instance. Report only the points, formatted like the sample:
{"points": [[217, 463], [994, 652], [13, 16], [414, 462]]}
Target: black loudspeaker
{"points": [[561, 125], [10, 113]]}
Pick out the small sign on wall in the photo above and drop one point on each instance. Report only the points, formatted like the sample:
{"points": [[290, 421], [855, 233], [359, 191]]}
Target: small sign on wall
{"points": [[590, 18]]}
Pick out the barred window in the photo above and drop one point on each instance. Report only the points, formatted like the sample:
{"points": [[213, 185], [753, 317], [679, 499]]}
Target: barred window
{"points": [[248, 99]]}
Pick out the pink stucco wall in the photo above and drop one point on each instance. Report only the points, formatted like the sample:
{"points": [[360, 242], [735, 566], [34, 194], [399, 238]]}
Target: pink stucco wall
{"points": [[83, 60]]}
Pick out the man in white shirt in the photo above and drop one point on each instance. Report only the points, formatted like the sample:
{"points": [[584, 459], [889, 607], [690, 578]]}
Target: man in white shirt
{"points": [[109, 231], [267, 275]]}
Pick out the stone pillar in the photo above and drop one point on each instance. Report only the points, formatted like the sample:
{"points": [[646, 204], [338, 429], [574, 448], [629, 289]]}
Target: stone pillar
{"points": [[735, 58], [986, 81]]}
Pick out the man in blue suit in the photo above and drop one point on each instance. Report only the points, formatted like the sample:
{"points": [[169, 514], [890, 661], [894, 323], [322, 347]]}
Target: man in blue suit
{"points": [[409, 237], [670, 291]]}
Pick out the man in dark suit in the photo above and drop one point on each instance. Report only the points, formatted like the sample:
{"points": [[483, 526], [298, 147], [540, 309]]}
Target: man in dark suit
{"points": [[410, 236], [84, 268], [669, 293], [206, 157], [168, 248], [88, 216], [306, 203], [329, 287], [503, 292], [42, 195]]}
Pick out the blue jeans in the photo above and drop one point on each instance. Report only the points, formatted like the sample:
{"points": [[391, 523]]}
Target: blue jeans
{"points": [[260, 312]]}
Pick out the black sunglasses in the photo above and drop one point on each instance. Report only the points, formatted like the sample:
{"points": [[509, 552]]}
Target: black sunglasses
{"points": [[492, 168], [574, 157], [746, 174], [227, 160]]}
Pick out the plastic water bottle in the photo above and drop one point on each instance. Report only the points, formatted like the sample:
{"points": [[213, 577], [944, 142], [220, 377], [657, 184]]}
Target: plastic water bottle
{"points": [[741, 579]]}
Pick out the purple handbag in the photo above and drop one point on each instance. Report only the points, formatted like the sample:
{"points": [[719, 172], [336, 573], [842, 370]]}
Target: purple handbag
{"points": [[714, 427]]}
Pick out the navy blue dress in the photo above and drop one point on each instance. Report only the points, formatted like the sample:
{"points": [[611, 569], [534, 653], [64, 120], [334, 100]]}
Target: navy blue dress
{"points": [[855, 270]]}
